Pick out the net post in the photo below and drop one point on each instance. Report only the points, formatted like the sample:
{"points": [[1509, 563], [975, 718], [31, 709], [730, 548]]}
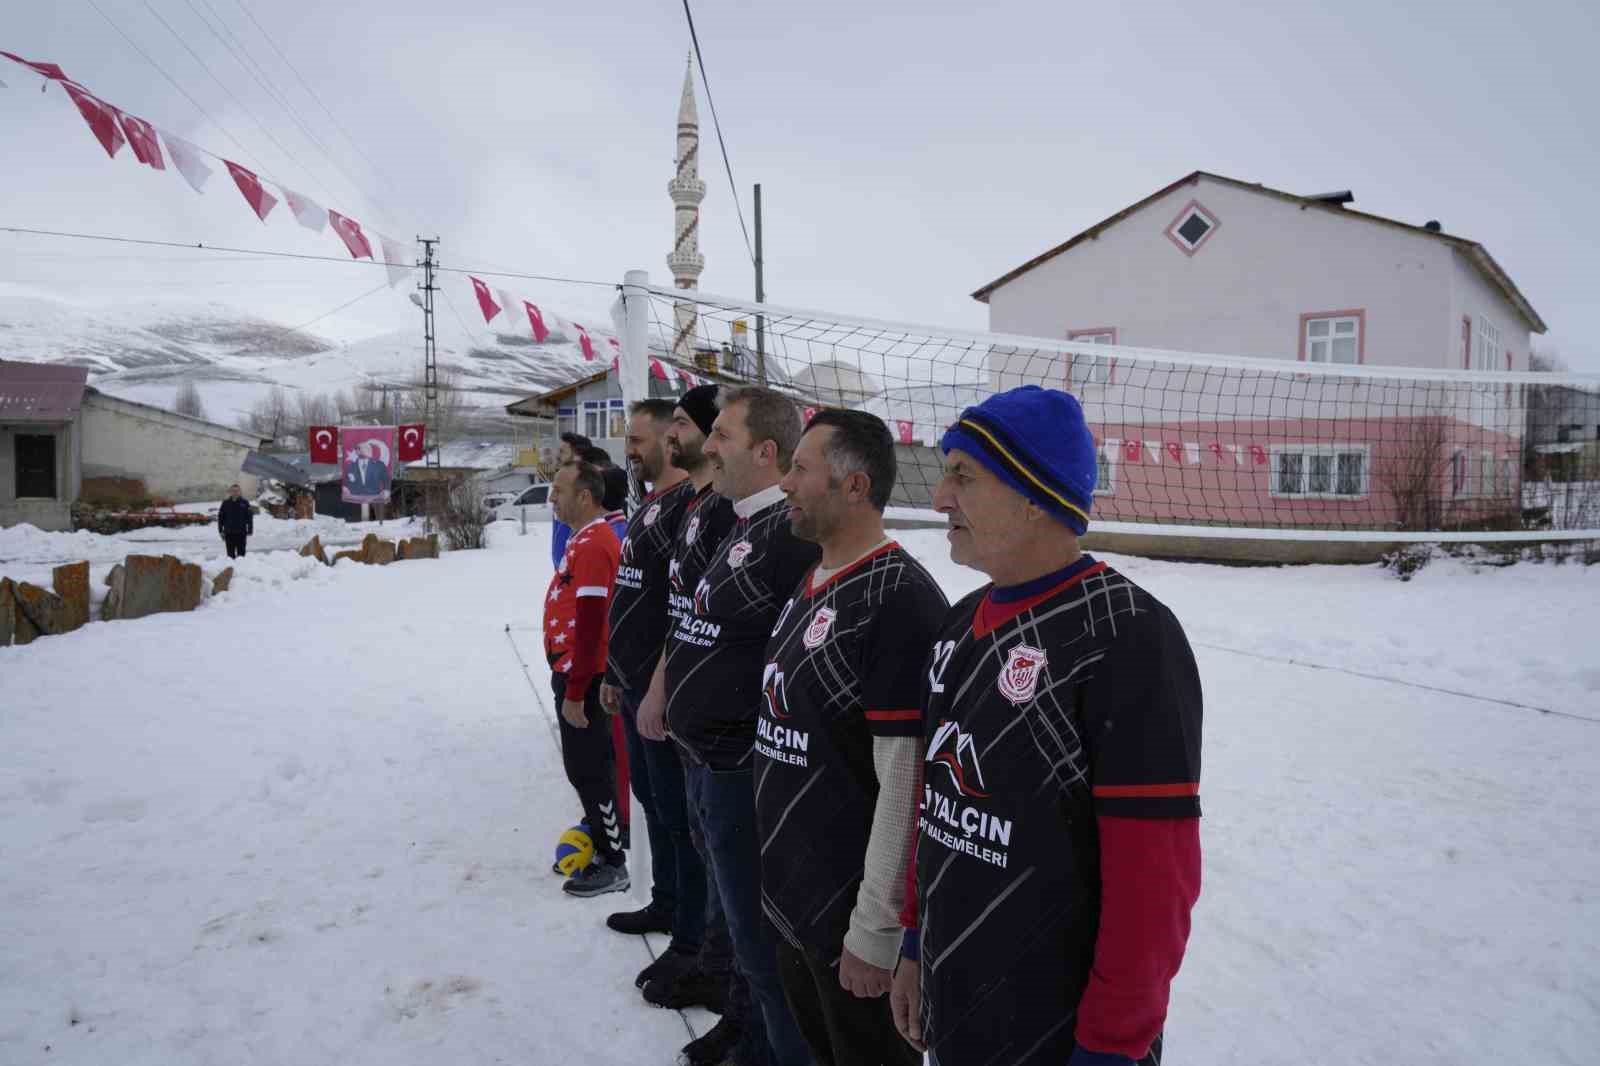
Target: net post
{"points": [[633, 366]]}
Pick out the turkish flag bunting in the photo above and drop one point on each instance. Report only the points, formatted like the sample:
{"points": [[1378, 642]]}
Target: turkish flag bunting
{"points": [[349, 231], [905, 429], [536, 321], [658, 371], [142, 139], [324, 441], [486, 302], [186, 157], [584, 342], [260, 200], [102, 119], [411, 442], [1175, 450], [808, 414], [49, 70]]}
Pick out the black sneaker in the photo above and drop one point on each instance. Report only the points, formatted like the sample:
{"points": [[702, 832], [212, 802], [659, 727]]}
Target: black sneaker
{"points": [[715, 1047], [651, 919], [673, 961], [690, 988], [597, 879]]}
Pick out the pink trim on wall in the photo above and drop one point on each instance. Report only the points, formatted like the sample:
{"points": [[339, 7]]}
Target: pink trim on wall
{"points": [[1358, 313], [1171, 230], [1074, 334]]}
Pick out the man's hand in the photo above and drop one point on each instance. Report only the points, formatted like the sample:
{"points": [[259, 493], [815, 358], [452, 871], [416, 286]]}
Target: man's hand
{"points": [[653, 715], [905, 1000], [861, 978], [572, 711], [610, 698]]}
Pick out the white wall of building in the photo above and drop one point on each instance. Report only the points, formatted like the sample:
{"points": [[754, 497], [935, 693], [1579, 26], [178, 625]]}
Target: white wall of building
{"points": [[180, 458], [1243, 292], [53, 513], [1472, 295]]}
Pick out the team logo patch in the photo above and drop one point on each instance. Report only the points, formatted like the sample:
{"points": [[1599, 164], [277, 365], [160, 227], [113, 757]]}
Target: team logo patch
{"points": [[817, 631], [1020, 676], [693, 531], [739, 553], [652, 514]]}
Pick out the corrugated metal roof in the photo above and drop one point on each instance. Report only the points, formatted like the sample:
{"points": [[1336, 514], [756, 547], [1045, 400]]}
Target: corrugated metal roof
{"points": [[34, 392]]}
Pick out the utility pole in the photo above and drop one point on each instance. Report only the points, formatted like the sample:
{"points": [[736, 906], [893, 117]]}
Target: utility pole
{"points": [[430, 383], [761, 297]]}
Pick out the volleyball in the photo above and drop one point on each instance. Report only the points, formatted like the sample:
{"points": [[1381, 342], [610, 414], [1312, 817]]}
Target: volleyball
{"points": [[574, 850]]}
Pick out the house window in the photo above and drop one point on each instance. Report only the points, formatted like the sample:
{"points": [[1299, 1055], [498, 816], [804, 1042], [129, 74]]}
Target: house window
{"points": [[36, 465], [1486, 470], [1192, 228], [1332, 338], [1460, 475], [1320, 471], [1105, 472], [566, 420], [1485, 345], [605, 419], [1091, 369]]}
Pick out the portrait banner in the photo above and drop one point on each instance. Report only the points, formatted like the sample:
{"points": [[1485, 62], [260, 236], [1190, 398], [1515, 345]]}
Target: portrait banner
{"points": [[369, 453]]}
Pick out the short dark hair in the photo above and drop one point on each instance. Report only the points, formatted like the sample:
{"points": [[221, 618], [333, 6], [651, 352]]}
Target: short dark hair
{"points": [[575, 441], [769, 415], [861, 443], [659, 408], [590, 480], [596, 455], [616, 493]]}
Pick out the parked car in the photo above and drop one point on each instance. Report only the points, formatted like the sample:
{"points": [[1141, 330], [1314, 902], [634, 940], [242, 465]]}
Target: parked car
{"points": [[491, 500], [535, 500]]}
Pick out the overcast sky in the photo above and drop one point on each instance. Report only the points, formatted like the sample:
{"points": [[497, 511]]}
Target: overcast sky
{"points": [[908, 152]]}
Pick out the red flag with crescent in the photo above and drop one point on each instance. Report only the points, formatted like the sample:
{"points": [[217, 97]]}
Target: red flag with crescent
{"points": [[411, 442], [349, 231], [486, 302], [906, 429], [535, 319], [101, 118], [260, 200], [324, 441], [142, 139], [584, 342]]}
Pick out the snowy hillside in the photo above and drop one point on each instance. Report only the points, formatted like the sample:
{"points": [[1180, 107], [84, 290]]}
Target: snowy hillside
{"points": [[147, 351]]}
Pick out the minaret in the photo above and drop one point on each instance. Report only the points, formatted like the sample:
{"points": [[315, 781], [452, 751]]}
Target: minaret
{"points": [[686, 190]]}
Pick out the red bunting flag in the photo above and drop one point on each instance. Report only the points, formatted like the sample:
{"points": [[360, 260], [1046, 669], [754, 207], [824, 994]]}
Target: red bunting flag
{"points": [[349, 231], [49, 70], [584, 342], [411, 446], [102, 119], [905, 429], [536, 321], [186, 157], [486, 302], [807, 415], [1175, 450], [324, 441], [260, 200], [658, 371], [142, 139]]}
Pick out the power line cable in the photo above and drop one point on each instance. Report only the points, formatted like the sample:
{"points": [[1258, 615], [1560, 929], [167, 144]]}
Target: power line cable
{"points": [[717, 125]]}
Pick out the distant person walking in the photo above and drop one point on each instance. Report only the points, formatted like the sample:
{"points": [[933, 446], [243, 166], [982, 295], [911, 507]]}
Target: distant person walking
{"points": [[235, 521]]}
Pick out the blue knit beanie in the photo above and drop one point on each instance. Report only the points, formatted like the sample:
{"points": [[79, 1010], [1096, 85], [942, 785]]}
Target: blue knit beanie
{"points": [[1036, 441]]}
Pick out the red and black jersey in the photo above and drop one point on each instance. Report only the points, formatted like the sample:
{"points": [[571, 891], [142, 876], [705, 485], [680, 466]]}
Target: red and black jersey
{"points": [[575, 605], [707, 518], [1045, 714], [716, 651], [845, 664], [639, 608]]}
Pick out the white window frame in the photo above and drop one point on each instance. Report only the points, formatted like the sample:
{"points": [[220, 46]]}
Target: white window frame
{"points": [[1460, 474], [604, 413], [1487, 348], [1092, 369], [1106, 457], [1275, 487], [1333, 323], [1486, 473]]}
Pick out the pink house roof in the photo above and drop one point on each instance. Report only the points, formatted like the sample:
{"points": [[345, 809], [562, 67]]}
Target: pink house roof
{"points": [[35, 392], [1477, 253]]}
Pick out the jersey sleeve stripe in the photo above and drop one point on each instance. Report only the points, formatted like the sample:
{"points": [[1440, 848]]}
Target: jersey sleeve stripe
{"points": [[592, 590], [1189, 788], [894, 716]]}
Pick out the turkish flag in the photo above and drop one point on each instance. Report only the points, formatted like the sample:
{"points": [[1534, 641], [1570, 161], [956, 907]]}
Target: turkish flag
{"points": [[260, 200], [1175, 450], [411, 446], [807, 415], [101, 119], [49, 70], [324, 442], [905, 429], [1131, 450], [584, 342], [536, 321], [142, 139], [1258, 455], [349, 231], [486, 302]]}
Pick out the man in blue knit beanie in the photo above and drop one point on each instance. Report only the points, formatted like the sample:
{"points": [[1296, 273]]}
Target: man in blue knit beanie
{"points": [[1058, 854]]}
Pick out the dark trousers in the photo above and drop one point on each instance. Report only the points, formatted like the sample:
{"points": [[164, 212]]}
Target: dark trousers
{"points": [[590, 761], [235, 543], [678, 875], [728, 816], [842, 1029]]}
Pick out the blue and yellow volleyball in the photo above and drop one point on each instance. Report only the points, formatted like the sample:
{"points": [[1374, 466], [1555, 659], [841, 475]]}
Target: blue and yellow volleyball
{"points": [[574, 850]]}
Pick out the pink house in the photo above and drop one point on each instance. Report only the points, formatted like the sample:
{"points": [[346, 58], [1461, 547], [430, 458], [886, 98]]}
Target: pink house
{"points": [[1210, 264]]}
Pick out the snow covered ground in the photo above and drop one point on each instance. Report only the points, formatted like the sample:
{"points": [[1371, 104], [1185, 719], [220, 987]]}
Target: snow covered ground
{"points": [[312, 823]]}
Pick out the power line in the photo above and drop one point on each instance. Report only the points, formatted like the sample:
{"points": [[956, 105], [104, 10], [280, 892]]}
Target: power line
{"points": [[717, 125], [294, 255]]}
